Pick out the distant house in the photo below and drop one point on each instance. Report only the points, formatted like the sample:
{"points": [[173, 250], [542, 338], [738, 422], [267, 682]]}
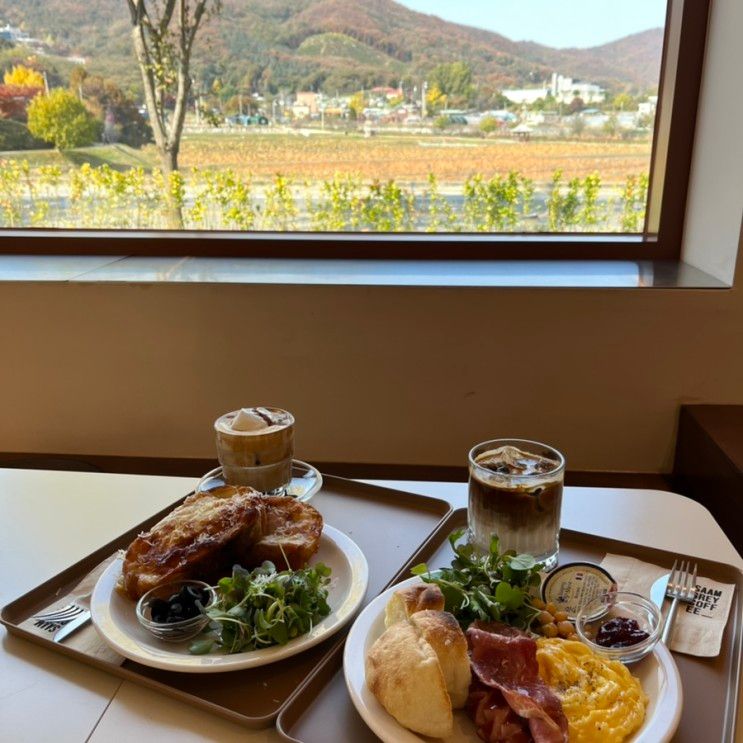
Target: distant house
{"points": [[12, 33], [306, 101]]}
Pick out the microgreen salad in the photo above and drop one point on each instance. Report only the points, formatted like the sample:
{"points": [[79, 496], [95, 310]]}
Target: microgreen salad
{"points": [[262, 607], [489, 587]]}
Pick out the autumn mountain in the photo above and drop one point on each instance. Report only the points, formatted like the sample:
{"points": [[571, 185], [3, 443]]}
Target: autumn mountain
{"points": [[335, 45]]}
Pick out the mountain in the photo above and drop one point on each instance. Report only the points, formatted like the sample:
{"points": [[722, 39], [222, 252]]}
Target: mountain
{"points": [[335, 45]]}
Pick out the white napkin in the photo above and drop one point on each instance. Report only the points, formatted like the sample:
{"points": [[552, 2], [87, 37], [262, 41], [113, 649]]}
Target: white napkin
{"points": [[86, 640], [698, 627]]}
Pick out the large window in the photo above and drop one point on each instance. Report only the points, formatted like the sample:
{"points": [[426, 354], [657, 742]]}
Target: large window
{"points": [[335, 127]]}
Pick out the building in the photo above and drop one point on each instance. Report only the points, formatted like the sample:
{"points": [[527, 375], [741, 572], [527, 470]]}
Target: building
{"points": [[525, 96], [562, 89], [307, 101], [566, 89]]}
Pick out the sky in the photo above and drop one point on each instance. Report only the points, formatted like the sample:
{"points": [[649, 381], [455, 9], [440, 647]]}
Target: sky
{"points": [[558, 23]]}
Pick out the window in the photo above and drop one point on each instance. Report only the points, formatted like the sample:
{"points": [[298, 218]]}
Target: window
{"points": [[345, 129]]}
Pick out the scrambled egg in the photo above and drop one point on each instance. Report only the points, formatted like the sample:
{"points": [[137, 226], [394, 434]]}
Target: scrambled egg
{"points": [[602, 700]]}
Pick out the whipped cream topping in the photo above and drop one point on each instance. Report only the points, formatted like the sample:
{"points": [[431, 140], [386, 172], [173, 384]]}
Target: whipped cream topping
{"points": [[247, 419], [256, 420]]}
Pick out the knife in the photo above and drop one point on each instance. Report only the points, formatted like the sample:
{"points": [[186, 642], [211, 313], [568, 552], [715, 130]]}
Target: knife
{"points": [[72, 626], [658, 591]]}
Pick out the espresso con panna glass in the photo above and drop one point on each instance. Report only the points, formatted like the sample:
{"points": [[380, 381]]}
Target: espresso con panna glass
{"points": [[255, 447]]}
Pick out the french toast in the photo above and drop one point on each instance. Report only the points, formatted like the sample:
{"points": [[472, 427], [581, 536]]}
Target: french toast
{"points": [[210, 532]]}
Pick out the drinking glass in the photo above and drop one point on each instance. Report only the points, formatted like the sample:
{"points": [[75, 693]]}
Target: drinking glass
{"points": [[515, 493]]}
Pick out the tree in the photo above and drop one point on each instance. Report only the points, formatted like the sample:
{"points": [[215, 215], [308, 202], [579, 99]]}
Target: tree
{"points": [[163, 35], [23, 77], [576, 105], [108, 102], [60, 118], [436, 99], [14, 101], [356, 105], [454, 80], [623, 102]]}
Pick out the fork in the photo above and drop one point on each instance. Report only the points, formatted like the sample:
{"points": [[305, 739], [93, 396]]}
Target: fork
{"points": [[53, 620], [681, 587]]}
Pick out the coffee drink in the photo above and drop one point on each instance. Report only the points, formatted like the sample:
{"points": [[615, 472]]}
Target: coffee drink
{"points": [[515, 492], [255, 447]]}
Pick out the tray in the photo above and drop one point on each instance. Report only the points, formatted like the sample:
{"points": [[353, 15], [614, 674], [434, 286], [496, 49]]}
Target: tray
{"points": [[322, 710], [388, 525]]}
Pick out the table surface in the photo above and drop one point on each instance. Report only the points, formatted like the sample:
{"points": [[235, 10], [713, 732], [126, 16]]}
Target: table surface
{"points": [[52, 519]]}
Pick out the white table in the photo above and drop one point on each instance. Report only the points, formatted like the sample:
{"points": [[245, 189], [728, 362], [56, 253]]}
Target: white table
{"points": [[51, 519]]}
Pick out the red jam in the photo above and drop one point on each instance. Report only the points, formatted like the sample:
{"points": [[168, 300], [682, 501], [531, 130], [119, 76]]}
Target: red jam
{"points": [[620, 632]]}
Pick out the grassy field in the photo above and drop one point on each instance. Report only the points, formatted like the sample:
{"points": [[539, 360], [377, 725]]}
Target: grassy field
{"points": [[404, 158], [333, 182]]}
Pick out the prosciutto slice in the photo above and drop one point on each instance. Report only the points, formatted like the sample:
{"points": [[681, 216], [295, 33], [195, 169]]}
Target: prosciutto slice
{"points": [[504, 659]]}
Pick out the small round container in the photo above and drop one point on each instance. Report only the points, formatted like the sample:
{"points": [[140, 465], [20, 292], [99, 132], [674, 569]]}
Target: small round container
{"points": [[173, 631], [570, 586], [596, 611]]}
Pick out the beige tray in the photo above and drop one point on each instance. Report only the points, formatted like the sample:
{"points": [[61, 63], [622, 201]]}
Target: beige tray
{"points": [[388, 525], [322, 711]]}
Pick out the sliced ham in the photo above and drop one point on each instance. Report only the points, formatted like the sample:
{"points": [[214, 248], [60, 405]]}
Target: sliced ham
{"points": [[495, 721], [505, 659]]}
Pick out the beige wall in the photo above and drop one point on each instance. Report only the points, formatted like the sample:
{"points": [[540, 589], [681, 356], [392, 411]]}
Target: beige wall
{"points": [[372, 374], [383, 374]]}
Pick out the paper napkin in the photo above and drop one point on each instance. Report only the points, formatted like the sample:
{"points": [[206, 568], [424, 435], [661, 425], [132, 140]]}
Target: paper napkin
{"points": [[86, 640], [699, 626]]}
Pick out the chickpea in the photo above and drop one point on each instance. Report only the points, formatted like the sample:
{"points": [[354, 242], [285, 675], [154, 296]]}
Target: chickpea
{"points": [[549, 630], [538, 603], [551, 608], [573, 637], [565, 629], [544, 617], [561, 616]]}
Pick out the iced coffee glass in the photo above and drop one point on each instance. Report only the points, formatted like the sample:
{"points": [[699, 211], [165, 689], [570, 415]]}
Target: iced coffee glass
{"points": [[515, 492], [255, 447]]}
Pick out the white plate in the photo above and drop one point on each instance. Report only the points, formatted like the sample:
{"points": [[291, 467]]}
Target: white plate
{"points": [[658, 674], [114, 618]]}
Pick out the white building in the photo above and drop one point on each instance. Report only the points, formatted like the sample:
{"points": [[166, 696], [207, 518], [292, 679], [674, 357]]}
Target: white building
{"points": [[647, 108], [526, 96], [562, 89], [565, 90]]}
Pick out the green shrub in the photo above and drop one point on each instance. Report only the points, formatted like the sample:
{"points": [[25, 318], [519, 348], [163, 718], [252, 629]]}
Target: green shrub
{"points": [[15, 136]]}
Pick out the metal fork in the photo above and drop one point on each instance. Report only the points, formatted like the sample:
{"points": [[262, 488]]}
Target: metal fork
{"points": [[53, 620], [681, 587]]}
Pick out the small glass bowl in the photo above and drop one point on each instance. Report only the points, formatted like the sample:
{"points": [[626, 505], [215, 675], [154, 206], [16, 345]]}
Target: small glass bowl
{"points": [[596, 611], [173, 631]]}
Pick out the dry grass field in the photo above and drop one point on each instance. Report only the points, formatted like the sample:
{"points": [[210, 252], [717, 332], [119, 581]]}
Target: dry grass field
{"points": [[410, 158]]}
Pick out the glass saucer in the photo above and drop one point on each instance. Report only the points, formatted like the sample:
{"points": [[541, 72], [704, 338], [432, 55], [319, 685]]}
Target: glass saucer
{"points": [[305, 482]]}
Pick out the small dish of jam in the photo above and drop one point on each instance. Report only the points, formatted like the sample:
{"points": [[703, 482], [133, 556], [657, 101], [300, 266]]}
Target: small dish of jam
{"points": [[620, 625]]}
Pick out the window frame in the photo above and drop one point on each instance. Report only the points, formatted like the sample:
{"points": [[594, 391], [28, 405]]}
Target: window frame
{"points": [[681, 73]]}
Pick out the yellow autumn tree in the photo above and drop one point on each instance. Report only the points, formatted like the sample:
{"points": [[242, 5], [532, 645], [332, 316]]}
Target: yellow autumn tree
{"points": [[435, 99], [24, 77]]}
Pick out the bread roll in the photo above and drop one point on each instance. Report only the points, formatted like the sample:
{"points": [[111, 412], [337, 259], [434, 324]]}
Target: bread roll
{"points": [[443, 633], [407, 601], [404, 674]]}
